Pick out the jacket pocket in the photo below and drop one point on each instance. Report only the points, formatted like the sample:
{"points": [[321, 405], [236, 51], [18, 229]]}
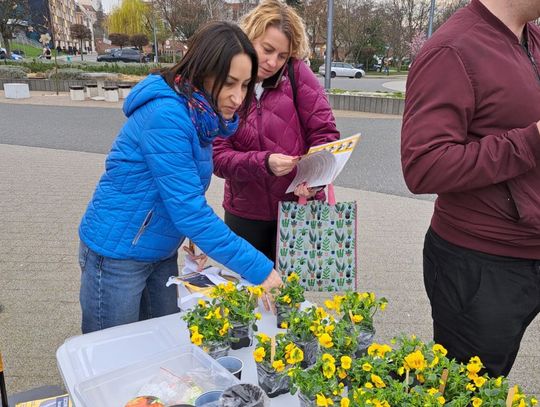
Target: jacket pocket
{"points": [[525, 192], [143, 227]]}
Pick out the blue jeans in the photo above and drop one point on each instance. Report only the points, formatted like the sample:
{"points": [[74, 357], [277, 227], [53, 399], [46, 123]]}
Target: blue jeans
{"points": [[116, 292]]}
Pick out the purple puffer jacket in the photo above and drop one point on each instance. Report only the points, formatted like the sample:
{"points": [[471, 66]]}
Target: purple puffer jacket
{"points": [[273, 125]]}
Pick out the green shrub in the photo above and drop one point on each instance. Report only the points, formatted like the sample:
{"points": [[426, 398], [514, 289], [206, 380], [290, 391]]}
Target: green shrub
{"points": [[66, 73], [122, 68], [12, 72], [315, 64]]}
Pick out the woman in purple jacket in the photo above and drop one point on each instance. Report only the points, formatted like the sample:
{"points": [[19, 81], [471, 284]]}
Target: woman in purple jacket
{"points": [[258, 162]]}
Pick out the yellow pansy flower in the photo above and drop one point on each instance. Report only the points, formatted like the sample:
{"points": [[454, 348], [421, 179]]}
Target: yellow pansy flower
{"points": [[346, 362], [415, 361], [284, 325], [286, 299], [323, 401], [329, 304], [293, 277], [344, 402], [296, 355], [368, 385], [441, 400], [357, 318], [439, 349], [202, 303], [278, 365], [258, 316], [263, 338], [257, 290], [326, 340], [476, 402], [479, 381], [328, 370], [326, 357], [377, 381], [342, 374], [366, 367], [470, 387], [196, 338], [498, 381], [329, 329], [224, 329], [432, 391], [259, 354]]}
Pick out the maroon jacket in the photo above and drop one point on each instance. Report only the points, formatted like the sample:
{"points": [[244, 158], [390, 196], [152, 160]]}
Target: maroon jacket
{"points": [[273, 125], [469, 133]]}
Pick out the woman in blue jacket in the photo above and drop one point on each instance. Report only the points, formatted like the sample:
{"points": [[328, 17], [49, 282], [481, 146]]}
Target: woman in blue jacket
{"points": [[151, 196]]}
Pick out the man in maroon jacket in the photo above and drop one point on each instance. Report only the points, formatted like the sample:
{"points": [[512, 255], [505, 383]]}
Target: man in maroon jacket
{"points": [[471, 134]]}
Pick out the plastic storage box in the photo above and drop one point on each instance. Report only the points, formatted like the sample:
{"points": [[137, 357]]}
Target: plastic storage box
{"points": [[189, 362]]}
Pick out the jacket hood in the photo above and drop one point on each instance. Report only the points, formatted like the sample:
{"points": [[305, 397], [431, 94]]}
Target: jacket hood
{"points": [[151, 88]]}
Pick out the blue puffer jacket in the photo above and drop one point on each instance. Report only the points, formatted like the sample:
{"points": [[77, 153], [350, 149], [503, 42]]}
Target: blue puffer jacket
{"points": [[151, 195]]}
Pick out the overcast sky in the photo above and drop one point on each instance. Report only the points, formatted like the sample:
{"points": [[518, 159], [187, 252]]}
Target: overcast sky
{"points": [[109, 4]]}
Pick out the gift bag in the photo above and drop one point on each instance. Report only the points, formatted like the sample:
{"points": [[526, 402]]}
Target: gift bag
{"points": [[317, 241]]}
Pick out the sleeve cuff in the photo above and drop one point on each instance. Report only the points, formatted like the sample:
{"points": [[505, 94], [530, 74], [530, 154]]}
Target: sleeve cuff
{"points": [[267, 163], [532, 138]]}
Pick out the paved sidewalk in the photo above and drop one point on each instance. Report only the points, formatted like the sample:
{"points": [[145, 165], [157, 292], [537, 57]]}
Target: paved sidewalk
{"points": [[44, 193]]}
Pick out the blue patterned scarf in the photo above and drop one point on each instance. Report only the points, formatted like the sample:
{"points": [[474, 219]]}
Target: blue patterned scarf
{"points": [[207, 121]]}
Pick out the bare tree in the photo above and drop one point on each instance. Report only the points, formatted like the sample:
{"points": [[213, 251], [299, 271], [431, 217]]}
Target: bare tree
{"points": [[404, 19], [183, 16], [12, 14], [445, 11], [314, 14], [119, 39], [80, 32]]}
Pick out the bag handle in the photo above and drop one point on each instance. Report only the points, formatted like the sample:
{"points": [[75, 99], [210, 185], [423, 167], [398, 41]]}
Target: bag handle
{"points": [[331, 196]]}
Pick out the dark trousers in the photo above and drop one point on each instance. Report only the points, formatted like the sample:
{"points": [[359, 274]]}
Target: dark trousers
{"points": [[260, 233], [480, 304]]}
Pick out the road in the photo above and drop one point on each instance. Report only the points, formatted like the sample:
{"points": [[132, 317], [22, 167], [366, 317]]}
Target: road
{"points": [[374, 166], [367, 84], [378, 84]]}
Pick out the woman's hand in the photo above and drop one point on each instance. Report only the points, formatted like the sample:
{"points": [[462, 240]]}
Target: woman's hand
{"points": [[303, 191], [282, 164], [272, 281], [200, 259]]}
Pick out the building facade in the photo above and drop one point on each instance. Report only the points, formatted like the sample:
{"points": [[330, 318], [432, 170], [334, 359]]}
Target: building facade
{"points": [[55, 17], [86, 15]]}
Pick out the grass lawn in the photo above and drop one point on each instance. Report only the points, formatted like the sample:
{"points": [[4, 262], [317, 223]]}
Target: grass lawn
{"points": [[29, 51]]}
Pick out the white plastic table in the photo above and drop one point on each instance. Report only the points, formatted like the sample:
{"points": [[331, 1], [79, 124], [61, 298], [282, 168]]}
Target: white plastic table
{"points": [[86, 356]]}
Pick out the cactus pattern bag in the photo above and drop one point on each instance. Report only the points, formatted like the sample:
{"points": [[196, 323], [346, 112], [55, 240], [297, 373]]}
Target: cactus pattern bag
{"points": [[317, 240]]}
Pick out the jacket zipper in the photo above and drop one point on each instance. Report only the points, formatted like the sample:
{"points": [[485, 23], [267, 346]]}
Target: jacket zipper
{"points": [[532, 61], [259, 127], [143, 227]]}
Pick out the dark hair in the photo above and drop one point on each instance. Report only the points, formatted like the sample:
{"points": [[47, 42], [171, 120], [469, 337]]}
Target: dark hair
{"points": [[209, 55]]}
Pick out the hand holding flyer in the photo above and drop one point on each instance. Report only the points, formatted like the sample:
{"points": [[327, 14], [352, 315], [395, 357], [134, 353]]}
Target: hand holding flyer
{"points": [[322, 164]]}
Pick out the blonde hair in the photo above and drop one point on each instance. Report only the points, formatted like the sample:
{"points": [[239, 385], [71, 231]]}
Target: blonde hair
{"points": [[275, 13]]}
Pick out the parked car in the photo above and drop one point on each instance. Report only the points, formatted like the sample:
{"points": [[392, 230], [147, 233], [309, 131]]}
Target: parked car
{"points": [[123, 55], [343, 69]]}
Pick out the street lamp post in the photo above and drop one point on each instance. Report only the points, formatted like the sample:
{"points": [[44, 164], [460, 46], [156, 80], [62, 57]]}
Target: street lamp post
{"points": [[431, 12], [156, 59], [329, 32]]}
